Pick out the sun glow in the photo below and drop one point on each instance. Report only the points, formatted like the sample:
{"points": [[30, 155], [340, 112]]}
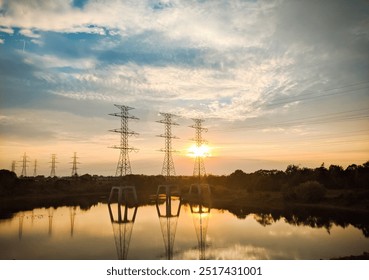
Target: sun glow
{"points": [[202, 151]]}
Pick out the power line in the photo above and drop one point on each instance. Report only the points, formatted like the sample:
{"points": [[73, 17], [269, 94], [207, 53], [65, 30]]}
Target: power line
{"points": [[350, 115], [307, 95]]}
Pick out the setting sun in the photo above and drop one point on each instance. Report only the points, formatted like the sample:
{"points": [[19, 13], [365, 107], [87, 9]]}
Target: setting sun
{"points": [[202, 151]]}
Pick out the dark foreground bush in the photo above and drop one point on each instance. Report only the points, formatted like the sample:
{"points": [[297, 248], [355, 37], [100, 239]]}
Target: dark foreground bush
{"points": [[8, 181], [310, 191]]}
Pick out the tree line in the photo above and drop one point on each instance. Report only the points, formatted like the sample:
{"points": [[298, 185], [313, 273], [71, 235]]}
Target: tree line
{"points": [[333, 177]]}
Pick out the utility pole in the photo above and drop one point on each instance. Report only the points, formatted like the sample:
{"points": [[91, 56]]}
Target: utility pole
{"points": [[124, 165], [199, 167], [168, 169]]}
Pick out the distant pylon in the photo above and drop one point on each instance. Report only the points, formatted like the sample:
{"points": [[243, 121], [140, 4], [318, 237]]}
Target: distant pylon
{"points": [[13, 165], [168, 165], [124, 165], [74, 165], [199, 166], [24, 165], [35, 168], [53, 165]]}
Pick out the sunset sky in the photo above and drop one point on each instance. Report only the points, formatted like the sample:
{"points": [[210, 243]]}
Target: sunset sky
{"points": [[277, 82]]}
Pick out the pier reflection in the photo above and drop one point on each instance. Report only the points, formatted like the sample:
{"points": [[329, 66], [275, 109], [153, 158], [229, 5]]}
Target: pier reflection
{"points": [[123, 220]]}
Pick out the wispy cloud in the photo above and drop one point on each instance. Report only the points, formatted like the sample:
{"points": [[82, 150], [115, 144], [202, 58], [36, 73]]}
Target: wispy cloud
{"points": [[7, 30], [52, 61]]}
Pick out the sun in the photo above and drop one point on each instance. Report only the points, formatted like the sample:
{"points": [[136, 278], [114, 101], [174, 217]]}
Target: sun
{"points": [[195, 151]]}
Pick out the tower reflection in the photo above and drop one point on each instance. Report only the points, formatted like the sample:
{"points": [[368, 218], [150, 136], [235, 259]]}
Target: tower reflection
{"points": [[168, 206], [51, 216], [200, 212], [72, 216], [20, 225], [126, 209]]}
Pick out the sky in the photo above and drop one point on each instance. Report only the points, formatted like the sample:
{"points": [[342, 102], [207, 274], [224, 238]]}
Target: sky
{"points": [[277, 82]]}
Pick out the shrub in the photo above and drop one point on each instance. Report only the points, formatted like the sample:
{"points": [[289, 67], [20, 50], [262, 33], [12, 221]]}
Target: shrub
{"points": [[8, 180], [288, 192], [310, 191]]}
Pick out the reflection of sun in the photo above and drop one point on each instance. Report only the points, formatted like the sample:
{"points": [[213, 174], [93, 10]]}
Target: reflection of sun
{"points": [[202, 151]]}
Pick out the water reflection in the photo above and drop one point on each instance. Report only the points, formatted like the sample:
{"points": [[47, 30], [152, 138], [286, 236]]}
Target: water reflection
{"points": [[51, 216], [200, 214], [123, 224], [20, 227], [199, 200], [187, 229], [168, 207], [72, 216]]}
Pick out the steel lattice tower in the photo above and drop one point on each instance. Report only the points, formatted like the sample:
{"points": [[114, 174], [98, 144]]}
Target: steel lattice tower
{"points": [[74, 165], [124, 165], [24, 165], [53, 165], [199, 166], [13, 166], [35, 168], [168, 165]]}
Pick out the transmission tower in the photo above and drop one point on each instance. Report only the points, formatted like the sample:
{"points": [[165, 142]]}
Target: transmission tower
{"points": [[53, 165], [24, 165], [199, 166], [35, 168], [168, 165], [74, 165], [14, 165], [124, 166]]}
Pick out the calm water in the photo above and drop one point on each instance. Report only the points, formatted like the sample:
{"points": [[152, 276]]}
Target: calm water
{"points": [[72, 233]]}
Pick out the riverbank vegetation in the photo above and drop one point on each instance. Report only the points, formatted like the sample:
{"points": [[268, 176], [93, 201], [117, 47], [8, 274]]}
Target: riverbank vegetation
{"points": [[263, 190]]}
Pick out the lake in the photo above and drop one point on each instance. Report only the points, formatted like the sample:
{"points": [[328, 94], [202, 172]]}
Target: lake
{"points": [[182, 231]]}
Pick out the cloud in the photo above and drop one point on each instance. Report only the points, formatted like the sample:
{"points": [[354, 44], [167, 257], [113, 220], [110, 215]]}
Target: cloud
{"points": [[202, 24], [240, 91], [6, 30], [51, 61], [228, 60], [29, 33]]}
